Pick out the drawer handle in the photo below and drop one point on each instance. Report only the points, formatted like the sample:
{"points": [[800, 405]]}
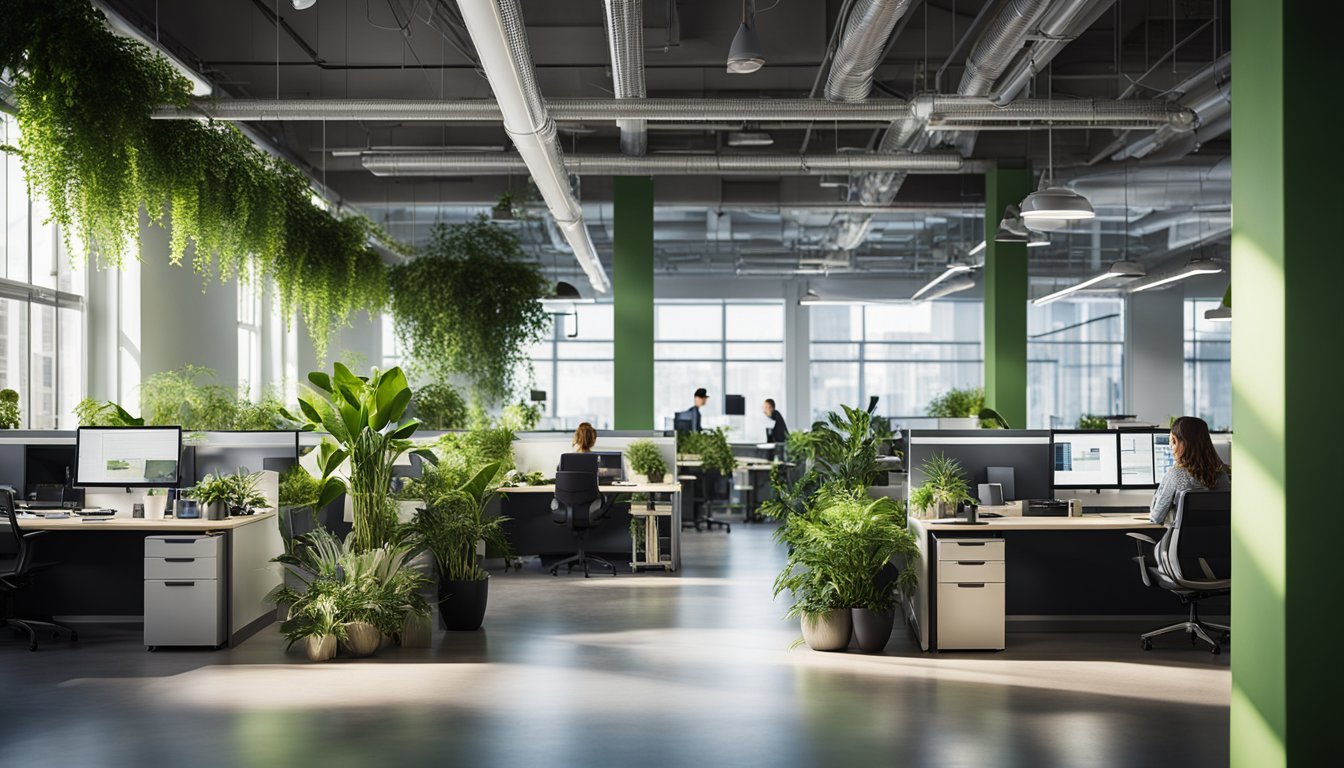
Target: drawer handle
{"points": [[178, 541], [970, 562], [179, 583], [969, 544], [179, 559], [970, 586]]}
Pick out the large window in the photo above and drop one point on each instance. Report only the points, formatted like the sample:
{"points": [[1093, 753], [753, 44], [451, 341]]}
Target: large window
{"points": [[905, 354], [1075, 354], [249, 339], [573, 365], [1208, 365], [41, 303], [726, 347]]}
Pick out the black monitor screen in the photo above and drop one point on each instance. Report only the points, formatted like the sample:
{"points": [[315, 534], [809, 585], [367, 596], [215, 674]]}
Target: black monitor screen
{"points": [[734, 405]]}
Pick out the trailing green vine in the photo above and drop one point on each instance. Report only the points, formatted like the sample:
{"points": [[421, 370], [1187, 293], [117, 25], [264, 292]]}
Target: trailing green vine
{"points": [[469, 304], [89, 146]]}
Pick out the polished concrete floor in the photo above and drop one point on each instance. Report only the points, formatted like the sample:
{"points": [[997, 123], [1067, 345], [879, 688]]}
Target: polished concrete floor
{"points": [[689, 670]]}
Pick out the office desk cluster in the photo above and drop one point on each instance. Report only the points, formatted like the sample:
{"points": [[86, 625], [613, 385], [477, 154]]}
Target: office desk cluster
{"points": [[673, 490], [974, 579]]}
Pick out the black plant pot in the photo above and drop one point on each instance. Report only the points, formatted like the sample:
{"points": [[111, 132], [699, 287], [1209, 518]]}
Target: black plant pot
{"points": [[462, 604], [872, 630]]}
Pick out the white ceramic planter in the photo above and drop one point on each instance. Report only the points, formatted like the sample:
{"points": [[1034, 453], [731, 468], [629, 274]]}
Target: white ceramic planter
{"points": [[828, 631], [362, 638], [156, 506], [320, 648], [417, 631]]}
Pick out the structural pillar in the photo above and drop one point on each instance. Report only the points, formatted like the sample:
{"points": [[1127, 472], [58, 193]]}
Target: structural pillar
{"points": [[632, 286], [1005, 285], [1285, 357]]}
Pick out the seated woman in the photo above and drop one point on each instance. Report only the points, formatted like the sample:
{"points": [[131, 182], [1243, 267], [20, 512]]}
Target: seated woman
{"points": [[585, 437], [1197, 467]]}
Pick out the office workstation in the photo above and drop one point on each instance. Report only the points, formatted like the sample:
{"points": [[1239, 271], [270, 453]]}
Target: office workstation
{"points": [[788, 383]]}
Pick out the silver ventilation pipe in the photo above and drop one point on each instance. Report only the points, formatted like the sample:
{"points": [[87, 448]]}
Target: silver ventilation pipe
{"points": [[995, 49], [625, 40], [1059, 26], [496, 29], [1208, 94], [494, 164], [861, 47]]}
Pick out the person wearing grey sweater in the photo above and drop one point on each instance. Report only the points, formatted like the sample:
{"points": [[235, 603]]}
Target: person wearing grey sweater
{"points": [[1197, 468]]}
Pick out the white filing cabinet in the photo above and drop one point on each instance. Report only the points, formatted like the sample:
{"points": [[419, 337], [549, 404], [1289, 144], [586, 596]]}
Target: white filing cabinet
{"points": [[970, 594], [184, 590]]}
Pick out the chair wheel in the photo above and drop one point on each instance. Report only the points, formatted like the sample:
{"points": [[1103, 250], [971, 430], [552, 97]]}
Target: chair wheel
{"points": [[1146, 644]]}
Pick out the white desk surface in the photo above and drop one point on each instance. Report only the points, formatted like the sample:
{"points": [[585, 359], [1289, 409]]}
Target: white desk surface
{"points": [[634, 488], [1112, 521], [167, 525]]}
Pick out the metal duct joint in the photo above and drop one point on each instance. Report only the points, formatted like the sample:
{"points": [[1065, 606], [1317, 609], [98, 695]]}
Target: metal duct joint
{"points": [[448, 164], [496, 29], [1060, 25], [1207, 94], [625, 39], [861, 47]]}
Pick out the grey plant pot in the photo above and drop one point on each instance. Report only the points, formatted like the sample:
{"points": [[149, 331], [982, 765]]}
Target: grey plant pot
{"points": [[828, 631], [872, 630], [216, 510]]}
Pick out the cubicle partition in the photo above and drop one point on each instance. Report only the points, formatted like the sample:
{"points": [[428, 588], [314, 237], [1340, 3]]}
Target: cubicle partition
{"points": [[1026, 451], [541, 451]]}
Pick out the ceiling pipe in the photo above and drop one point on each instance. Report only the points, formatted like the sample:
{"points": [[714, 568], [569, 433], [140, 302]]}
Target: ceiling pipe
{"points": [[1208, 94], [1060, 25], [625, 39], [945, 108], [496, 29], [472, 164], [861, 47]]}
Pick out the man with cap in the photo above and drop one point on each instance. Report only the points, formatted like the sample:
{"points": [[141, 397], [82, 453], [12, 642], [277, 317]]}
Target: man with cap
{"points": [[701, 397]]}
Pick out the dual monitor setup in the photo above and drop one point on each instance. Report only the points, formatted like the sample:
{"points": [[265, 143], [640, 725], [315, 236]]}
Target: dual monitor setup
{"points": [[1111, 459]]}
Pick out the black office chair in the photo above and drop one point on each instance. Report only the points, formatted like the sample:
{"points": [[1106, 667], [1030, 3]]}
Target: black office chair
{"points": [[1198, 542], [579, 503], [710, 487], [578, 462], [14, 573]]}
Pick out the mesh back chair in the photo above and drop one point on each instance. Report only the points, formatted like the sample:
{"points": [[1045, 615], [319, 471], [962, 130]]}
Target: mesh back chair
{"points": [[579, 503], [1193, 561], [15, 572]]}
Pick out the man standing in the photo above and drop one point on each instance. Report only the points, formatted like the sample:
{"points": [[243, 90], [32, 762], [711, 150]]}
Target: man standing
{"points": [[779, 431], [701, 397]]}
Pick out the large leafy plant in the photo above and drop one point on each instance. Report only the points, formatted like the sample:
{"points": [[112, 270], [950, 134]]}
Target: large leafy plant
{"points": [[362, 419], [958, 403], [711, 447], [453, 522], [440, 406], [469, 304], [89, 146]]}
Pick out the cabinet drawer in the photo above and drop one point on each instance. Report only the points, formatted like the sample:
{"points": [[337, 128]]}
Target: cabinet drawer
{"points": [[183, 567], [970, 616], [182, 546], [970, 570], [970, 549], [184, 612]]}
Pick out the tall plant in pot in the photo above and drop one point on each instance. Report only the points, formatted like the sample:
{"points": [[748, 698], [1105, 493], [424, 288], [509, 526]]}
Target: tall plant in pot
{"points": [[645, 459], [452, 525], [362, 419]]}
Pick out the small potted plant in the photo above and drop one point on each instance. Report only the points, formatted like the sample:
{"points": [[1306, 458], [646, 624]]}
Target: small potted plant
{"points": [[244, 498], [316, 621], [645, 459], [156, 503], [943, 487], [213, 493], [9, 409]]}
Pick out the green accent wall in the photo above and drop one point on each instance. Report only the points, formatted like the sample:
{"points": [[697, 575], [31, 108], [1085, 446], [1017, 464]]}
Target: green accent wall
{"points": [[1286, 527], [632, 293], [1005, 282]]}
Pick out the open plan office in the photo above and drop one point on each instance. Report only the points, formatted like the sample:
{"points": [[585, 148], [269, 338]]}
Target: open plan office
{"points": [[747, 383]]}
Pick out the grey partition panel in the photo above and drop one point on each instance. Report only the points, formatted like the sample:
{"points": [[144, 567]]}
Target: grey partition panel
{"points": [[225, 452], [1027, 451]]}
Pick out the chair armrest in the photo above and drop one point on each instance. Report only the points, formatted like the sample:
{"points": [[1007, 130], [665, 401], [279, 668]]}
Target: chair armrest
{"points": [[1142, 537], [1141, 558]]}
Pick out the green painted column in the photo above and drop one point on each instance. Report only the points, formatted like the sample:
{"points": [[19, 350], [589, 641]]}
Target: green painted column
{"points": [[1286, 526], [1005, 284], [632, 288]]}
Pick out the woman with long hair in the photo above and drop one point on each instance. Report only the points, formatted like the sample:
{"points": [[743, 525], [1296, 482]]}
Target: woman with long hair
{"points": [[585, 437], [1197, 467]]}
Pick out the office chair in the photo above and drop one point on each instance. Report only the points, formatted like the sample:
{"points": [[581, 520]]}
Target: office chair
{"points": [[14, 573], [1199, 541], [580, 504], [578, 462]]}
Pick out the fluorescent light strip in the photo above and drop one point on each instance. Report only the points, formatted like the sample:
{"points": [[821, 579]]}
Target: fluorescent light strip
{"points": [[1088, 283], [951, 270], [977, 249], [199, 85], [1190, 270]]}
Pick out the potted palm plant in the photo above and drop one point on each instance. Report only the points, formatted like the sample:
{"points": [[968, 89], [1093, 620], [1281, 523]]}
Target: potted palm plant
{"points": [[452, 525], [943, 488], [645, 459]]}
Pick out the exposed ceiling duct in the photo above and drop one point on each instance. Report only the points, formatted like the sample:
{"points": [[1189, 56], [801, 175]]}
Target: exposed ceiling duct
{"points": [[1207, 93], [860, 50], [625, 39], [1062, 23], [466, 164], [1208, 184], [496, 29], [952, 111]]}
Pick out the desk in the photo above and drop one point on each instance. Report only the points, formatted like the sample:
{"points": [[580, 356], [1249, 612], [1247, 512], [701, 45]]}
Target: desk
{"points": [[1057, 568], [672, 489], [100, 571]]}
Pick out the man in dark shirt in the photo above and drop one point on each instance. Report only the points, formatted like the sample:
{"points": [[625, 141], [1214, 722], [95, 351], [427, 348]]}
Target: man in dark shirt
{"points": [[779, 431], [691, 415]]}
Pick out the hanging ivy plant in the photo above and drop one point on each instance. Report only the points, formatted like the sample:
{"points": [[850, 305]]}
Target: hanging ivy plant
{"points": [[89, 146], [469, 304]]}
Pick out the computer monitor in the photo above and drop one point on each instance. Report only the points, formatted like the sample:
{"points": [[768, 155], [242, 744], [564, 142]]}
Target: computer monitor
{"points": [[610, 465], [682, 422], [734, 405], [1164, 458], [1086, 459], [1137, 460], [1004, 476], [133, 457]]}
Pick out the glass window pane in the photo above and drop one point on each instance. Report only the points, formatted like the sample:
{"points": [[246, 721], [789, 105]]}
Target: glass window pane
{"points": [[44, 269], [1074, 360], [42, 368], [16, 210], [13, 348], [674, 385], [835, 351], [595, 322], [592, 350], [757, 351], [756, 381], [688, 322], [675, 350], [835, 323], [585, 393], [70, 366], [755, 322], [833, 385]]}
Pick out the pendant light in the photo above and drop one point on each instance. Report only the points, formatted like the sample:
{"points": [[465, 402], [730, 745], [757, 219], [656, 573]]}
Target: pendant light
{"points": [[1050, 207], [744, 55]]}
